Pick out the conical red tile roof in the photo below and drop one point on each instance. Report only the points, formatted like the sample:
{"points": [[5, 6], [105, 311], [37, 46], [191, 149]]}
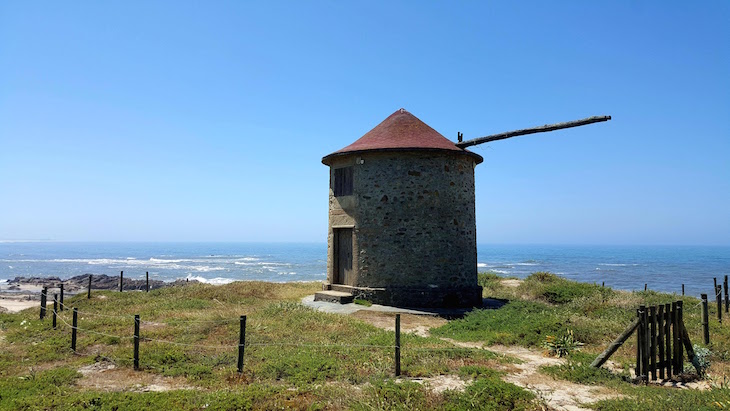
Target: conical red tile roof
{"points": [[401, 131]]}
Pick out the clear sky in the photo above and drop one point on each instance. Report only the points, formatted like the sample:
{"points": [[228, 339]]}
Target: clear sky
{"points": [[207, 121]]}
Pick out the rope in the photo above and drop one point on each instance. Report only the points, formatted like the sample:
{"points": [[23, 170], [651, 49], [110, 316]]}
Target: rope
{"points": [[87, 330], [318, 345], [215, 347], [175, 321]]}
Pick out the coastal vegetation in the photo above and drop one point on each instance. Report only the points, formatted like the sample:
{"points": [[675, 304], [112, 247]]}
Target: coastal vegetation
{"points": [[300, 358]]}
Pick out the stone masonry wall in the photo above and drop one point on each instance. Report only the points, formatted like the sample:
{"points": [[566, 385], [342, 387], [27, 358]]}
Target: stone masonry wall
{"points": [[416, 220]]}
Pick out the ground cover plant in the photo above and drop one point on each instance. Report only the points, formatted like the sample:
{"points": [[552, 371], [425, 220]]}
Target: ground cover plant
{"points": [[544, 307], [295, 357], [299, 358]]}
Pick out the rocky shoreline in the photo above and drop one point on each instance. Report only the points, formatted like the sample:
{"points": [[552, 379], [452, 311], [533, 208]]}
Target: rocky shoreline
{"points": [[80, 283]]}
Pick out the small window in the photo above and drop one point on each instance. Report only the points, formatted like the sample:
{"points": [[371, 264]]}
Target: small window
{"points": [[343, 181]]}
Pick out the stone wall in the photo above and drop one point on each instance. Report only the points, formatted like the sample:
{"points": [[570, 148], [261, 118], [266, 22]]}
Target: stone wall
{"points": [[414, 227]]}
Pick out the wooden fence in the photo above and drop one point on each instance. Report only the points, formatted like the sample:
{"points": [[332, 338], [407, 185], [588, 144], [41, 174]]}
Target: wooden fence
{"points": [[661, 341]]}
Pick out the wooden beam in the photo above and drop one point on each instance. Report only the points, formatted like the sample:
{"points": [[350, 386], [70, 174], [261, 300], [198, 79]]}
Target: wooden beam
{"points": [[533, 130], [616, 344]]}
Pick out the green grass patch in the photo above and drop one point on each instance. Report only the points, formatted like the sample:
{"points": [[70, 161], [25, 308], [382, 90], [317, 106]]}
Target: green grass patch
{"points": [[360, 301], [518, 322]]}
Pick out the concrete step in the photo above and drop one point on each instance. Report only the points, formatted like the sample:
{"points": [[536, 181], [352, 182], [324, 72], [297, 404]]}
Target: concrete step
{"points": [[334, 297]]}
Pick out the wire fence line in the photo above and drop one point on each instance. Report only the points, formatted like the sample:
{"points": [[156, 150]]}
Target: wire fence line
{"points": [[243, 344], [169, 322]]}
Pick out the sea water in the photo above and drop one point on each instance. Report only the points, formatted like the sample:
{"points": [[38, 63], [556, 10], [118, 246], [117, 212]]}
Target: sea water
{"points": [[663, 268]]}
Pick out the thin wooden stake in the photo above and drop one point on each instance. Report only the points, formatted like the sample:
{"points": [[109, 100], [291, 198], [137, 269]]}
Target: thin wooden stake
{"points": [[680, 336], [74, 325], [241, 343], [121, 281], [646, 286], [668, 338], [705, 319], [397, 345], [61, 300], [727, 300], [683, 290], [88, 294], [44, 295], [652, 342], [646, 343], [136, 341], [639, 344], [660, 340], [677, 333], [55, 309], [147, 274], [690, 351], [601, 359]]}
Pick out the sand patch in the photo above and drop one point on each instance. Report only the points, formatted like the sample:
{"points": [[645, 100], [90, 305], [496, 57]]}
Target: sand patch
{"points": [[105, 376], [14, 305], [441, 383]]}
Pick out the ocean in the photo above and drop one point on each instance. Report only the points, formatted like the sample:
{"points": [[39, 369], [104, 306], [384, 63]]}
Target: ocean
{"points": [[663, 268]]}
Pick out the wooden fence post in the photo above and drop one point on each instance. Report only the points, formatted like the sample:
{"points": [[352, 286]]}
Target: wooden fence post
{"points": [[397, 345], [147, 274], [660, 340], [645, 286], [727, 301], [652, 342], [136, 342], [646, 348], [678, 337], [55, 309], [705, 319], [241, 343], [74, 324], [44, 295], [668, 339], [121, 281], [61, 300], [718, 297], [88, 294], [682, 290], [615, 345], [639, 343]]}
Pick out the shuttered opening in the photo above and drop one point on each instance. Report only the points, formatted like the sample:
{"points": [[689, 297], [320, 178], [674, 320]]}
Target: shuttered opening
{"points": [[343, 181]]}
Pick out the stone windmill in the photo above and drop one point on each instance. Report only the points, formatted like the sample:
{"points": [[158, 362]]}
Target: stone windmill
{"points": [[402, 226]]}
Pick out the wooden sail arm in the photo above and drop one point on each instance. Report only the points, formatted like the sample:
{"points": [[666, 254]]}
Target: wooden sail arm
{"points": [[541, 129]]}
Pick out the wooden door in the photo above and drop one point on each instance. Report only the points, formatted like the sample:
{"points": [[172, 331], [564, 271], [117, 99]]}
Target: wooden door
{"points": [[343, 256]]}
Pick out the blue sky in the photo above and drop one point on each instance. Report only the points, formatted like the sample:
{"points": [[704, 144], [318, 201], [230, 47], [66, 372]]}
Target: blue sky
{"points": [[207, 121]]}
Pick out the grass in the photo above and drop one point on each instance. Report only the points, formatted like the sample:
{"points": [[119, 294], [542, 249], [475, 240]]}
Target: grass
{"points": [[299, 358], [545, 304], [295, 357]]}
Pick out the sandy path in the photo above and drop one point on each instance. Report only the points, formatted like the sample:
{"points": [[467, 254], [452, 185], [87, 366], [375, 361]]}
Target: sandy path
{"points": [[557, 394]]}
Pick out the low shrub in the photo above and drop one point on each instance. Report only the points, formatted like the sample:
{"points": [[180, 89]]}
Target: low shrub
{"points": [[562, 345]]}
